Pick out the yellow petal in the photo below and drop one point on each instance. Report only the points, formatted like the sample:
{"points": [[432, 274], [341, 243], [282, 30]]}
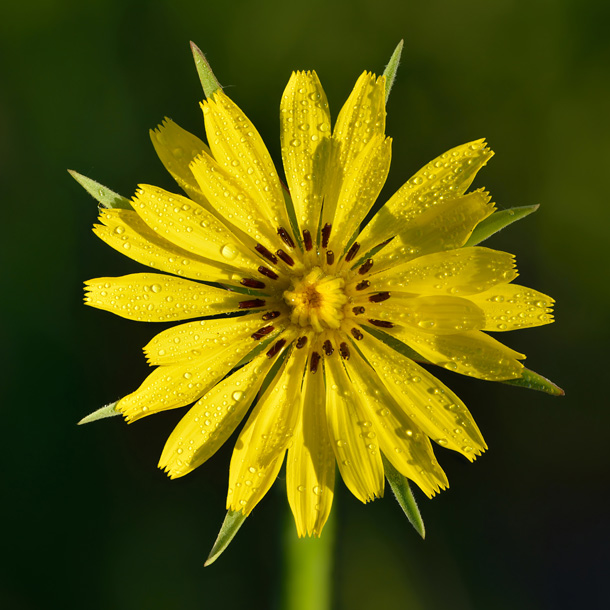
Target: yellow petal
{"points": [[445, 226], [211, 421], [310, 465], [151, 297], [400, 440], [510, 306], [463, 271], [191, 227], [266, 436], [470, 353], [360, 120], [187, 342], [362, 183], [352, 436], [176, 149], [305, 137], [447, 177], [428, 402], [230, 200], [170, 387], [433, 314], [239, 149], [127, 233]]}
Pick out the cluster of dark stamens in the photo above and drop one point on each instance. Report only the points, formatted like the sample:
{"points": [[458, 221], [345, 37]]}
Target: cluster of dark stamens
{"points": [[327, 347]]}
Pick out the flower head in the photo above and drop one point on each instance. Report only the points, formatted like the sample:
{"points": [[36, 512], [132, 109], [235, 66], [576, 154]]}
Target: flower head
{"points": [[295, 299]]}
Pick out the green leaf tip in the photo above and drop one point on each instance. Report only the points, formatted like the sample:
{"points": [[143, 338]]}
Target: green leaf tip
{"points": [[107, 411], [230, 526], [209, 82], [498, 221], [404, 496], [533, 381], [104, 196], [391, 68]]}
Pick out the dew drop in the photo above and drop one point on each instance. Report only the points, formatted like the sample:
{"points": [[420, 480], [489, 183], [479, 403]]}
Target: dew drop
{"points": [[228, 252]]}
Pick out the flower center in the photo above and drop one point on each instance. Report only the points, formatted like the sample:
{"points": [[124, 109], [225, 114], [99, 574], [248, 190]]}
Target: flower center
{"points": [[317, 300]]}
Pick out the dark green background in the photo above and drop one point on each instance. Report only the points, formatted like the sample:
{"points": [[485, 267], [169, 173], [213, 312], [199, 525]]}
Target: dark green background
{"points": [[89, 522]]}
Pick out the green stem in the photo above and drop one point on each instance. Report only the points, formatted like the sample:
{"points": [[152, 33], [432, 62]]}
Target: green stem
{"points": [[308, 567]]}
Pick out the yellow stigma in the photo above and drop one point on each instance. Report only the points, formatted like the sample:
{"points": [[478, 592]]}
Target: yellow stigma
{"points": [[317, 300]]}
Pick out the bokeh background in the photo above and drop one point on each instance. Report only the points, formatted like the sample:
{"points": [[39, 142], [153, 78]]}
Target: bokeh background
{"points": [[88, 520]]}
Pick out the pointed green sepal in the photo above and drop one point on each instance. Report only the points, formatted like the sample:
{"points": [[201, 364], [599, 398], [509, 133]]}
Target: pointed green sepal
{"points": [[209, 82], [534, 381], [404, 496], [107, 411], [104, 196], [497, 221], [391, 68], [230, 526]]}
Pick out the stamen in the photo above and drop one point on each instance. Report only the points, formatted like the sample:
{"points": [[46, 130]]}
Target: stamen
{"points": [[357, 334], [264, 252], [271, 315], [285, 237], [362, 285], [276, 348], [358, 310], [380, 296], [285, 257], [330, 257], [261, 332], [252, 304], [385, 243], [301, 341], [328, 348], [382, 323], [307, 240], [315, 360], [351, 253], [268, 273], [252, 283], [326, 235], [366, 267], [344, 351]]}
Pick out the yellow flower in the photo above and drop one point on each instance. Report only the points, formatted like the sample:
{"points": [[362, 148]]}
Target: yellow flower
{"points": [[295, 301]]}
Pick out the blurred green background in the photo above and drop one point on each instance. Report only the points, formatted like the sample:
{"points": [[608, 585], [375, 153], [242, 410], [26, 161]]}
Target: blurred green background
{"points": [[89, 522]]}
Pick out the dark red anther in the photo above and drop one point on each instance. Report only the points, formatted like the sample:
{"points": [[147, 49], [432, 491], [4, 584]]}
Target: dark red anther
{"points": [[328, 348], [271, 315], [252, 283], [357, 334], [276, 348], [272, 275], [382, 323], [330, 257], [307, 240], [379, 297], [264, 252], [326, 235], [285, 257], [314, 361], [261, 332], [351, 253], [344, 351], [301, 342], [252, 304], [285, 237], [366, 267], [358, 310], [363, 284]]}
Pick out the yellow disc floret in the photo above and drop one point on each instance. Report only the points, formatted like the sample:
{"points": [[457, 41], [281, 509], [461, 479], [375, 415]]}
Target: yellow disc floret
{"points": [[317, 300]]}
